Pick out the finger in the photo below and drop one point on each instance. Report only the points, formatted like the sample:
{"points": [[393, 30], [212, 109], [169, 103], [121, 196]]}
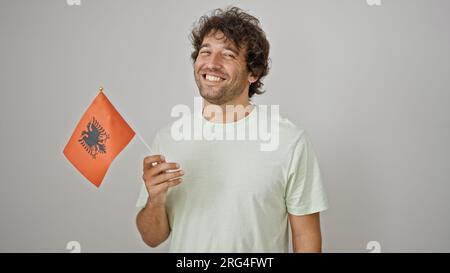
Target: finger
{"points": [[165, 177], [162, 167], [150, 160], [162, 187]]}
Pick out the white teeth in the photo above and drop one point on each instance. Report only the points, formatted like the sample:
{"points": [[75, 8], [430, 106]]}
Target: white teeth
{"points": [[212, 78]]}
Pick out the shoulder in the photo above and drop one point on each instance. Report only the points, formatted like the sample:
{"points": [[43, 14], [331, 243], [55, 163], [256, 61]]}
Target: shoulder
{"points": [[289, 132], [284, 134]]}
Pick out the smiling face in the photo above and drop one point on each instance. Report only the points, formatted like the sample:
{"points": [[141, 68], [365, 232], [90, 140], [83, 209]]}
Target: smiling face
{"points": [[220, 70]]}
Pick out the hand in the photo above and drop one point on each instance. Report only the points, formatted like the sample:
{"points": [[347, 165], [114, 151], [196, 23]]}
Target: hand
{"points": [[159, 176]]}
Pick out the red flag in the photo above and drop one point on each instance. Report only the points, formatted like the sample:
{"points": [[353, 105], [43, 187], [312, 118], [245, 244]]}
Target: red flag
{"points": [[99, 137]]}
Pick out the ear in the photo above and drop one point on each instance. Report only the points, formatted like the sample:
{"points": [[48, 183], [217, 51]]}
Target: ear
{"points": [[252, 78]]}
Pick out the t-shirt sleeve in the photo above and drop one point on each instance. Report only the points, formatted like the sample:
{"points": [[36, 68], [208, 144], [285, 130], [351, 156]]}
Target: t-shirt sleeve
{"points": [[305, 193], [143, 195]]}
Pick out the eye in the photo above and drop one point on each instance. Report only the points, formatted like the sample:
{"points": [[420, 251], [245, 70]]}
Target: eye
{"points": [[204, 52], [229, 55]]}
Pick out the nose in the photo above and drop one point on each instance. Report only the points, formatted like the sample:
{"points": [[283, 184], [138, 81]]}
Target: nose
{"points": [[214, 61]]}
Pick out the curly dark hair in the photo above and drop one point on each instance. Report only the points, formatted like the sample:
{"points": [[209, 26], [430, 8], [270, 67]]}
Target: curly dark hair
{"points": [[244, 30]]}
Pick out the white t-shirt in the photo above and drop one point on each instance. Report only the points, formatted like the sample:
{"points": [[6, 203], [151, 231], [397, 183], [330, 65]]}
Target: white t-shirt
{"points": [[235, 197]]}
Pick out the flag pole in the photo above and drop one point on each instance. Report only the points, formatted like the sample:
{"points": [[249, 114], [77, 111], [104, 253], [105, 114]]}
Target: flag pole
{"points": [[143, 141], [137, 133]]}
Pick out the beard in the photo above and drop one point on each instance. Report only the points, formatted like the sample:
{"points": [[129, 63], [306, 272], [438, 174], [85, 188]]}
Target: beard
{"points": [[219, 93]]}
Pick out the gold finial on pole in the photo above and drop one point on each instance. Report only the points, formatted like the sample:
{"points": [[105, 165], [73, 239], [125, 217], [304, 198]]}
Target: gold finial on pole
{"points": [[101, 89]]}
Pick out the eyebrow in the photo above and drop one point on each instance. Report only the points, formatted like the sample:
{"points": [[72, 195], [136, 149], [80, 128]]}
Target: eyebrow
{"points": [[204, 45], [232, 49], [226, 47]]}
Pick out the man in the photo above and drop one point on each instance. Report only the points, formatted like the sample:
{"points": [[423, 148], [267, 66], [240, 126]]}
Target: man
{"points": [[229, 195]]}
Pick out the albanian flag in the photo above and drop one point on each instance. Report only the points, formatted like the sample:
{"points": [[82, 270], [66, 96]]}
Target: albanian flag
{"points": [[98, 138]]}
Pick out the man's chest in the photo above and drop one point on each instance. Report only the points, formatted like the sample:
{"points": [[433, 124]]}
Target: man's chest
{"points": [[238, 171]]}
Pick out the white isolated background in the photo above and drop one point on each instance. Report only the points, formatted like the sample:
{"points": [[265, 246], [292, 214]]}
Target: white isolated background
{"points": [[369, 83]]}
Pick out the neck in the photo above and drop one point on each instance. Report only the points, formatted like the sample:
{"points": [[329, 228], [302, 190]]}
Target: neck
{"points": [[230, 111]]}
